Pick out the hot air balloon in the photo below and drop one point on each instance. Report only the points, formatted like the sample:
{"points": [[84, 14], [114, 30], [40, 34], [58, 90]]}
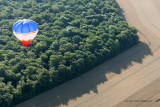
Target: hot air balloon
{"points": [[25, 30]]}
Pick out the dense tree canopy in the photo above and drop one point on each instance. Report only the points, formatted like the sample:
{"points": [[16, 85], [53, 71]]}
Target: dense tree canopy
{"points": [[74, 36]]}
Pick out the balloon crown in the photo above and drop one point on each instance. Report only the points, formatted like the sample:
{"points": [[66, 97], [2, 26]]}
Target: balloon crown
{"points": [[25, 20]]}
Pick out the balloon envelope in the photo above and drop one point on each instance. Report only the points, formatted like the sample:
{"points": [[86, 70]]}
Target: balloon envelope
{"points": [[25, 30]]}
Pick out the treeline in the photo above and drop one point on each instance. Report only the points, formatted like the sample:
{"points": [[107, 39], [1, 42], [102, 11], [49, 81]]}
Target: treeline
{"points": [[74, 37]]}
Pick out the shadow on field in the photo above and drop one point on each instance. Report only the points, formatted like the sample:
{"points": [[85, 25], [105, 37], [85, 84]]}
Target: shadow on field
{"points": [[88, 82]]}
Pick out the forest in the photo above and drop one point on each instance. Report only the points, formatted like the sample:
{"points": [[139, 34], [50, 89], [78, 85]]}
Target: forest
{"points": [[74, 37]]}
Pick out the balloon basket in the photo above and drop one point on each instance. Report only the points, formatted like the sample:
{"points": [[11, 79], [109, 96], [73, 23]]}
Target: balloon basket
{"points": [[26, 48]]}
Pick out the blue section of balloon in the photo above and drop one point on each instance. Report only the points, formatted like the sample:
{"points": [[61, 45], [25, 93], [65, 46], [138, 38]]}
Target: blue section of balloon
{"points": [[25, 26]]}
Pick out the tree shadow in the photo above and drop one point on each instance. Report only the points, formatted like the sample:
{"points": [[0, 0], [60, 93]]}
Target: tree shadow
{"points": [[88, 82]]}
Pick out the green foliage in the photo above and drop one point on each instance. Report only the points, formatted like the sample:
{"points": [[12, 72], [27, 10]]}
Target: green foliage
{"points": [[74, 36]]}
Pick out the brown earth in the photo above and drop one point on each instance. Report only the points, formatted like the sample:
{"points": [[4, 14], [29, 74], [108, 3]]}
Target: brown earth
{"points": [[130, 79]]}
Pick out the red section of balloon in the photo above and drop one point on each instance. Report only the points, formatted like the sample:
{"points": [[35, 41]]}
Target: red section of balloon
{"points": [[26, 43]]}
